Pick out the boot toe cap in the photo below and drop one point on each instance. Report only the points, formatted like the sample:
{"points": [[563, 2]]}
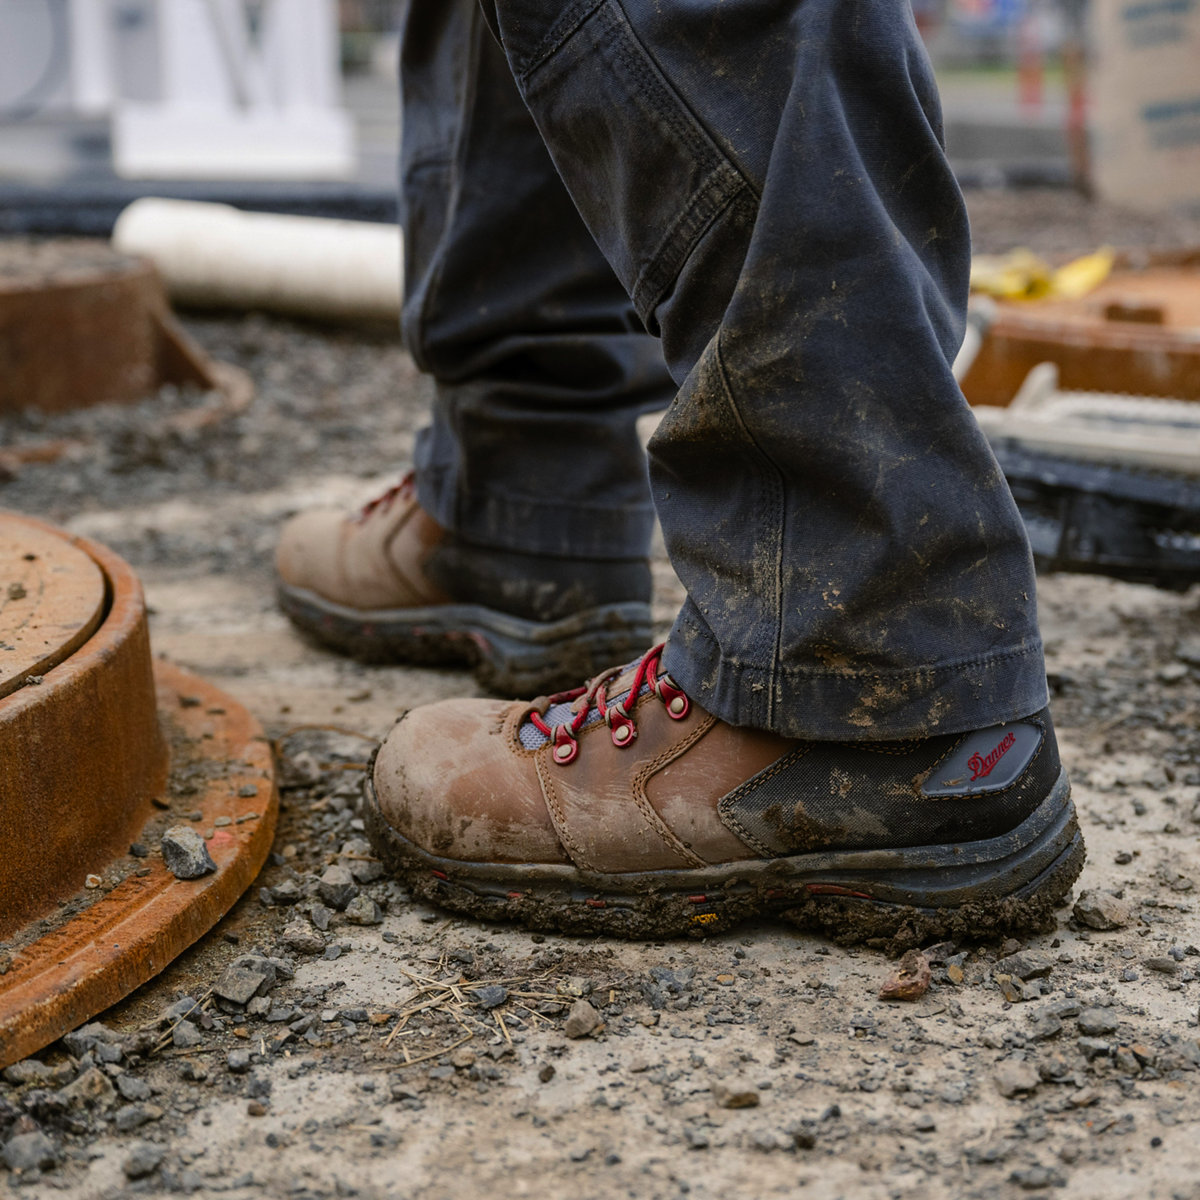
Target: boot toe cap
{"points": [[307, 555], [452, 780]]}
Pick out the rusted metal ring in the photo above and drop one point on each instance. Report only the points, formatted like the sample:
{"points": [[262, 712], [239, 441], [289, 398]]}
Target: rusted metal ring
{"points": [[89, 754]]}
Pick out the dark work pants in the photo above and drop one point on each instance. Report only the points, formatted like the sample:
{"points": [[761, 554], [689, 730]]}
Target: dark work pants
{"points": [[766, 184]]}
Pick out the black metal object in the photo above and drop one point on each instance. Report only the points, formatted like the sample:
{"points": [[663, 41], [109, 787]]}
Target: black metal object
{"points": [[90, 209], [1138, 525]]}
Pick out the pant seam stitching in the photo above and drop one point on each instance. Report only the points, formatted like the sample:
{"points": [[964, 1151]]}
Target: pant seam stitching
{"points": [[723, 180], [776, 485], [439, 257], [561, 32], [713, 198]]}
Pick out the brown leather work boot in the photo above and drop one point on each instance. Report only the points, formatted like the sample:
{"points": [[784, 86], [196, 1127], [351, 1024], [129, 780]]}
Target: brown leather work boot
{"points": [[625, 808], [391, 585]]}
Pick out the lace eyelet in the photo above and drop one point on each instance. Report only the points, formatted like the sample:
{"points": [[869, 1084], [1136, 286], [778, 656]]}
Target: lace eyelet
{"points": [[565, 746], [677, 704]]}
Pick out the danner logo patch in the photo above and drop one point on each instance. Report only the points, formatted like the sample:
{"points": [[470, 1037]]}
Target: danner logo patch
{"points": [[981, 765], [988, 760]]}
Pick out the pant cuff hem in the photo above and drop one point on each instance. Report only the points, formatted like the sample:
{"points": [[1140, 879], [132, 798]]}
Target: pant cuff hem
{"points": [[945, 698], [527, 526]]}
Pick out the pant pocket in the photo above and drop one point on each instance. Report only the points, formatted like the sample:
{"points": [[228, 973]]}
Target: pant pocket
{"points": [[646, 176]]}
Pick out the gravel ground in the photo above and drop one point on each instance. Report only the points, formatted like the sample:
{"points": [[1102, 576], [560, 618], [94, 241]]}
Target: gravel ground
{"points": [[333, 1038]]}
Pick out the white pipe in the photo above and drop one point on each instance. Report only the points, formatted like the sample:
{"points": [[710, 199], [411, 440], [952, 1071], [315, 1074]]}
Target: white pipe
{"points": [[215, 256]]}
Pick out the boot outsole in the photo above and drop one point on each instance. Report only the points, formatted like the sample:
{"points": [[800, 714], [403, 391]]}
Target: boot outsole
{"points": [[892, 898], [508, 655]]}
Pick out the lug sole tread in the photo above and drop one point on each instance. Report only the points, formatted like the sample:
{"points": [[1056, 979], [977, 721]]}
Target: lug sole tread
{"points": [[880, 908]]}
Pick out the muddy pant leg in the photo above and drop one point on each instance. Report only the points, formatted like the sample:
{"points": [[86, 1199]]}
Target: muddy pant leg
{"points": [[541, 365], [767, 178]]}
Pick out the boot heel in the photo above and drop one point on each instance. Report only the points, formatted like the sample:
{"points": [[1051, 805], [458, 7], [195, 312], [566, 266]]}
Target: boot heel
{"points": [[524, 658]]}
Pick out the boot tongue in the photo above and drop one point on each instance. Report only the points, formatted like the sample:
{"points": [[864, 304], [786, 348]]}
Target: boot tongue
{"points": [[623, 682], [616, 689]]}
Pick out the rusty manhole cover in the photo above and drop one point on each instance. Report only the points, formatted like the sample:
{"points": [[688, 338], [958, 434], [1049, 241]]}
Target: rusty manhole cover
{"points": [[101, 750], [81, 325]]}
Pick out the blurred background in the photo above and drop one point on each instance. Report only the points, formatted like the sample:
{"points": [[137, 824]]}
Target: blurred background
{"points": [[294, 105]]}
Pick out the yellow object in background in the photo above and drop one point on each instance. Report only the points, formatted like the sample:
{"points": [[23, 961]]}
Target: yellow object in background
{"points": [[1022, 275], [1017, 275], [1082, 275]]}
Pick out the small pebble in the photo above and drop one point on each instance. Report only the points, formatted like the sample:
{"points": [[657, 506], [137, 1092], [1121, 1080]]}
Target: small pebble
{"points": [[493, 995], [1095, 1022], [144, 1159], [1014, 1078], [582, 1020], [735, 1093]]}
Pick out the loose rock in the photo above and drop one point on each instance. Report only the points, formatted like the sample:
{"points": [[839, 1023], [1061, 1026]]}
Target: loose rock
{"points": [[301, 937], [30, 1152], [186, 1035], [1095, 1022], [91, 1090], [362, 910], [28, 1070], [1165, 965], [337, 887], [238, 983], [185, 853], [131, 1087], [1014, 1078], [582, 1020], [1045, 1025], [287, 892], [910, 980], [1092, 1048], [1025, 964], [493, 995], [735, 1093], [134, 1116], [1099, 910], [144, 1159]]}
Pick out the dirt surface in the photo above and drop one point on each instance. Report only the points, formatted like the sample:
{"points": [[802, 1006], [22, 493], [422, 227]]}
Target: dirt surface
{"points": [[389, 1050]]}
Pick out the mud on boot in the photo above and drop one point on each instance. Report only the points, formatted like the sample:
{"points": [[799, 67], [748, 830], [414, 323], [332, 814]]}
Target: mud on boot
{"points": [[391, 585], [624, 808]]}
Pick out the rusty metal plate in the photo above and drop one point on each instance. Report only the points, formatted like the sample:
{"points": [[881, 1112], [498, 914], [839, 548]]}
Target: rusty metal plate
{"points": [[84, 774], [83, 754], [82, 325], [51, 601], [108, 940]]}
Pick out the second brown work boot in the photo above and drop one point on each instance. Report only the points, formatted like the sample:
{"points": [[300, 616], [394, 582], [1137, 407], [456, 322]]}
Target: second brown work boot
{"points": [[624, 808], [389, 584]]}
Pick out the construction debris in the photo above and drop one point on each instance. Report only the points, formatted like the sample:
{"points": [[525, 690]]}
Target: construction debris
{"points": [[1135, 332], [1107, 484]]}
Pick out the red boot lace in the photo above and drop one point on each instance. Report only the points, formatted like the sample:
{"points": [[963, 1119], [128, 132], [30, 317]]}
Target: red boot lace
{"points": [[384, 501], [615, 714]]}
